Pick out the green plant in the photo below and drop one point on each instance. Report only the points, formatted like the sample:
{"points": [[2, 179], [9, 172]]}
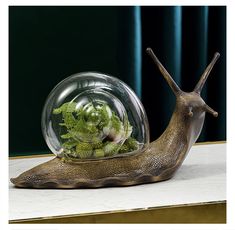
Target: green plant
{"points": [[94, 131]]}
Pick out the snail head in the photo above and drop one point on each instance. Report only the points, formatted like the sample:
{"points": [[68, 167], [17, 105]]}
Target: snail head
{"points": [[191, 102]]}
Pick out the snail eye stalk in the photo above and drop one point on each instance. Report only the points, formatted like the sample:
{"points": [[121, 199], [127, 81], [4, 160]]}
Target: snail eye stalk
{"points": [[210, 110], [203, 78], [175, 88], [190, 113]]}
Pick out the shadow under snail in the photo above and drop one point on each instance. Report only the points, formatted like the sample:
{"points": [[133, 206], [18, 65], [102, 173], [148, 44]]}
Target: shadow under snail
{"points": [[102, 160]]}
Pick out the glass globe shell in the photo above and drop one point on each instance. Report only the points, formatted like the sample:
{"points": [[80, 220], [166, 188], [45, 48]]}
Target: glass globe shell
{"points": [[93, 115]]}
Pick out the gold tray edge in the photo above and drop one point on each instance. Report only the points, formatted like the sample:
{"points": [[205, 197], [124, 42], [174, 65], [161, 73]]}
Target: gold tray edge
{"points": [[117, 211]]}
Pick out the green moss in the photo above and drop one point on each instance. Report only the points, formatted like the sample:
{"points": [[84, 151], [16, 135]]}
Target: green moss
{"points": [[66, 136], [98, 153], [84, 150], [82, 131], [110, 148], [105, 115], [124, 149], [69, 144], [132, 143], [97, 144], [116, 123]]}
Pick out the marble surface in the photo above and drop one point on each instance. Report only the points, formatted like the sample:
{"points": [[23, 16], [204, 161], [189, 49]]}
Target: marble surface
{"points": [[201, 178]]}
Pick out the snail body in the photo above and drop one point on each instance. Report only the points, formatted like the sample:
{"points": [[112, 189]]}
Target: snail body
{"points": [[157, 161]]}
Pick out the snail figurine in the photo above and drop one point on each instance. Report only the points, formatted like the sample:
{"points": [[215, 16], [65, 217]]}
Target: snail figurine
{"points": [[98, 129]]}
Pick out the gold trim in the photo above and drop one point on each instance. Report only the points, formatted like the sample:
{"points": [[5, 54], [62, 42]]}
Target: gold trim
{"points": [[50, 154], [210, 143], [205, 212], [32, 156]]}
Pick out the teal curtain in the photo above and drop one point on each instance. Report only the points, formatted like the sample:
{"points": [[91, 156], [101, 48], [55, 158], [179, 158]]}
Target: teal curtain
{"points": [[129, 47], [49, 43], [185, 39]]}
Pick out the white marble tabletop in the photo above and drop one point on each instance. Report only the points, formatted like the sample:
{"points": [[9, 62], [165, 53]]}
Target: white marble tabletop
{"points": [[201, 178]]}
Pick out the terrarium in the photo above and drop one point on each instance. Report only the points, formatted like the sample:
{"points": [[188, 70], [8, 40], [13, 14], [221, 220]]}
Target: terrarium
{"points": [[92, 115]]}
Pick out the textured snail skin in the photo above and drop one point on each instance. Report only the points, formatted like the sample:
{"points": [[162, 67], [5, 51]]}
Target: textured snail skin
{"points": [[158, 162]]}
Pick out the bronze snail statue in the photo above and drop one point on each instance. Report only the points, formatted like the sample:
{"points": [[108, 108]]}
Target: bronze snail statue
{"points": [[98, 129]]}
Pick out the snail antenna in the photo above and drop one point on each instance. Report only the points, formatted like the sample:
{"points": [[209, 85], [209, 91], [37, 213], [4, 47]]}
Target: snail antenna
{"points": [[210, 110], [203, 78], [175, 88]]}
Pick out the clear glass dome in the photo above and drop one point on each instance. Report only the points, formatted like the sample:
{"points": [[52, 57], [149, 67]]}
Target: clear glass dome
{"points": [[91, 116]]}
